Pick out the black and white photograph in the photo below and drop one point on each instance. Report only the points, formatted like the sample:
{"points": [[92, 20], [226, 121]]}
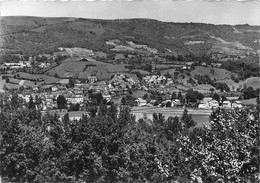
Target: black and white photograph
{"points": [[129, 91]]}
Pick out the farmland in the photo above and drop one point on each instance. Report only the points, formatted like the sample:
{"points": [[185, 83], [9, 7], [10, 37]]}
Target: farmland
{"points": [[82, 69], [201, 116]]}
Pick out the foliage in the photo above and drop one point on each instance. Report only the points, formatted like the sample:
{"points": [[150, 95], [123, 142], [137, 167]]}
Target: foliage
{"points": [[249, 92], [71, 83], [31, 104], [13, 58], [61, 102], [228, 149], [173, 96], [187, 120], [216, 97], [193, 96], [96, 98], [74, 107], [110, 146], [180, 97], [244, 68]]}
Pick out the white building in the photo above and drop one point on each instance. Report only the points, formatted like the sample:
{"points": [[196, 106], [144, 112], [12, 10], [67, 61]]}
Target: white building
{"points": [[204, 105], [141, 102], [237, 104], [107, 97], [227, 104]]}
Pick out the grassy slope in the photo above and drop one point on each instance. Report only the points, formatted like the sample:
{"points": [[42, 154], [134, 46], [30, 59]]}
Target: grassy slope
{"points": [[100, 69], [253, 81]]}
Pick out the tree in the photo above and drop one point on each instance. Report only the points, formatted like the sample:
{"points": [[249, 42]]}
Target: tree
{"points": [[145, 96], [99, 98], [193, 96], [7, 80], [71, 84], [223, 98], [187, 120], [212, 71], [123, 101], [211, 90], [16, 101], [103, 108], [227, 150], [93, 111], [249, 92], [168, 104], [61, 102], [216, 97], [74, 107], [158, 119], [96, 98], [31, 104], [66, 118], [5, 88], [174, 125], [173, 96], [180, 97]]}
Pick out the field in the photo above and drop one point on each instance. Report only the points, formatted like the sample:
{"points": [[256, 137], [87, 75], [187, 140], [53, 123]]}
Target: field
{"points": [[83, 69], [47, 79], [219, 74], [8, 85], [253, 81], [199, 115], [203, 88], [251, 101]]}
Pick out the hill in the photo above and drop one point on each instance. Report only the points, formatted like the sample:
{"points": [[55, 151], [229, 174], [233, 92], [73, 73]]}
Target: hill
{"points": [[33, 35]]}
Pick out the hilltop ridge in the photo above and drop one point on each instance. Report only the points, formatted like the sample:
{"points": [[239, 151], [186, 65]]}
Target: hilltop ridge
{"points": [[34, 35]]}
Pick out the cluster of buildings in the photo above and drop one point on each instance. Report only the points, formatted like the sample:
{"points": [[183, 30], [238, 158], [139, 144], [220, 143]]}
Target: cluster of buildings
{"points": [[78, 94], [156, 80], [230, 103], [14, 65]]}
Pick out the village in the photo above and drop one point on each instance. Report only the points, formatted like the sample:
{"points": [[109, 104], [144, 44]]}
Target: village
{"points": [[145, 91]]}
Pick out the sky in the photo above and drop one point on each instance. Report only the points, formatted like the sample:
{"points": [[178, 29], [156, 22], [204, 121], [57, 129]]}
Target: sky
{"points": [[205, 11]]}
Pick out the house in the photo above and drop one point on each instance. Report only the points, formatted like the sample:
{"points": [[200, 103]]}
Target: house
{"points": [[75, 100], [169, 81], [218, 65], [141, 102], [14, 65], [189, 63], [204, 106], [146, 78], [204, 64], [44, 65], [213, 104], [107, 97], [226, 104], [232, 98], [152, 101], [54, 88], [176, 102], [237, 104], [92, 79], [25, 63]]}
